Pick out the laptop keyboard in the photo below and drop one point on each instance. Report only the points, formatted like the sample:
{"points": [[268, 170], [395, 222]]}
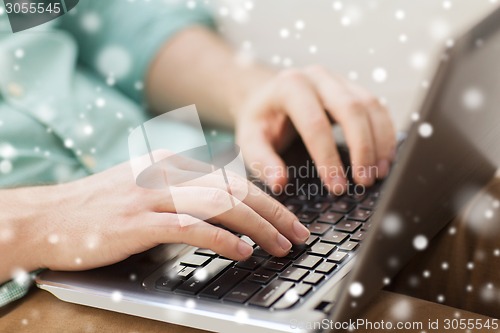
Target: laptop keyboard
{"points": [[338, 226]]}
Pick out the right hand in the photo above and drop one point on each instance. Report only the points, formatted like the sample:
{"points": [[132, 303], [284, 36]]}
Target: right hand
{"points": [[105, 218]]}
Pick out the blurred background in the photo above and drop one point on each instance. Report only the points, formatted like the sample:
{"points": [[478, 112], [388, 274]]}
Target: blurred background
{"points": [[390, 47]]}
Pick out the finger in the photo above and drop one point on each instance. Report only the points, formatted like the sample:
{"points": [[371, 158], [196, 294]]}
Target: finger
{"points": [[219, 206], [266, 163], [260, 202], [382, 129], [301, 103], [352, 116], [167, 228]]}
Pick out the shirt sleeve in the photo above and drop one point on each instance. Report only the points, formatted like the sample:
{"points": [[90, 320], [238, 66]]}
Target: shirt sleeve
{"points": [[119, 39]]}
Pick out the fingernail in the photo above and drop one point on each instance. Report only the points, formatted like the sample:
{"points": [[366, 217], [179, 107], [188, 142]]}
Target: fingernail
{"points": [[301, 232], [244, 248], [284, 243], [367, 176], [382, 168], [338, 185]]}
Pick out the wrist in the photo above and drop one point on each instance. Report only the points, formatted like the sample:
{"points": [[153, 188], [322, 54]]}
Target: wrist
{"points": [[250, 78], [29, 213]]}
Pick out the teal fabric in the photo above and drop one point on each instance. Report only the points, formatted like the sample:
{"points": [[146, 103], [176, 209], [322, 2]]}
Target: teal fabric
{"points": [[71, 90]]}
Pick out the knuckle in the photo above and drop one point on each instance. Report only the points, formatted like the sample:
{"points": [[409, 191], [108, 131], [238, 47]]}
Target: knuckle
{"points": [[217, 196], [277, 212], [290, 79], [316, 70], [217, 238], [372, 103], [356, 107], [317, 122]]}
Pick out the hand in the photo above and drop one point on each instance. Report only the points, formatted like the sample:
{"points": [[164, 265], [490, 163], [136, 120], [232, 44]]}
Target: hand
{"points": [[303, 100], [105, 218]]}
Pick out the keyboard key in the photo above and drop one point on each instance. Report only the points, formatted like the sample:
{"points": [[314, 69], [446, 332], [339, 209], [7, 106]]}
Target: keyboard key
{"points": [[294, 208], [259, 252], [311, 240], [334, 237], [205, 252], [307, 261], [342, 206], [318, 207], [287, 301], [251, 263], [270, 294], [358, 236], [294, 274], [248, 240], [277, 264], [347, 226], [330, 217], [359, 214], [366, 225], [369, 203], [306, 217], [349, 246], [195, 260], [302, 289], [317, 228], [337, 257], [185, 272], [314, 278], [321, 249], [326, 267], [199, 280], [166, 283], [242, 292], [224, 283], [296, 251], [262, 276], [357, 197]]}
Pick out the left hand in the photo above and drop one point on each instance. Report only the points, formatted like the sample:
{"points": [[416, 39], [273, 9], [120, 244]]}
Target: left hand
{"points": [[302, 100]]}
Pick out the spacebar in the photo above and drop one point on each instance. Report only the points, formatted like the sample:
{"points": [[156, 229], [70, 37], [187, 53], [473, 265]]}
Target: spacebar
{"points": [[270, 294]]}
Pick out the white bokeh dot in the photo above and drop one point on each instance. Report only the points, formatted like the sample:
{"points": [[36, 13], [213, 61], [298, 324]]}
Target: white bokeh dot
{"points": [[392, 225], [400, 14], [420, 242], [100, 102], [116, 296], [5, 167], [425, 130], [114, 60], [473, 99], [379, 75], [19, 53], [284, 33], [356, 289], [90, 22], [299, 25]]}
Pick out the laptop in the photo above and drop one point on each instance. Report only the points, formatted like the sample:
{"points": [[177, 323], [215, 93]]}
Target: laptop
{"points": [[358, 242]]}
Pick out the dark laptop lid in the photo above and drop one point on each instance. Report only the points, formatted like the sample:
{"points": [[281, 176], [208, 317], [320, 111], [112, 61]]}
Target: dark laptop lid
{"points": [[451, 152]]}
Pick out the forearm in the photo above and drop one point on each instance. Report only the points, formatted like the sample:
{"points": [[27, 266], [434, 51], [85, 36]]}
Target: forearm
{"points": [[21, 211], [198, 67]]}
